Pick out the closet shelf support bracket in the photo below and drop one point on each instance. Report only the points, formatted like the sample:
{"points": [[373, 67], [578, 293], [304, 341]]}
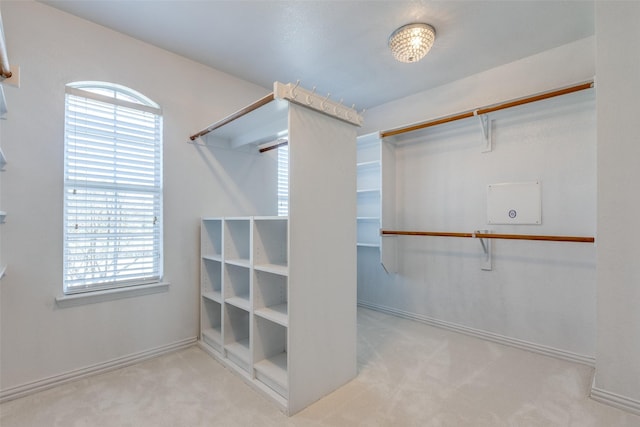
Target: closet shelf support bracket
{"points": [[487, 264]]}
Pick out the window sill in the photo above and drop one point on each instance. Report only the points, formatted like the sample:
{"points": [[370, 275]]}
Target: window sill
{"points": [[110, 294]]}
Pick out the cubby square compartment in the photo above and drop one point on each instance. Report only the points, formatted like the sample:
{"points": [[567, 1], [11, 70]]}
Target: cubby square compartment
{"points": [[211, 238], [270, 297], [237, 286], [237, 241], [211, 321], [270, 355], [270, 244], [236, 336], [211, 279]]}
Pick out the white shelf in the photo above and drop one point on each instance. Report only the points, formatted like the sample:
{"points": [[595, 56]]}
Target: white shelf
{"points": [[238, 262], [369, 164], [3, 160], [271, 218], [273, 372], [241, 301], [365, 191], [213, 296], [216, 258], [213, 337], [368, 245], [278, 314], [279, 269], [369, 218], [240, 350]]}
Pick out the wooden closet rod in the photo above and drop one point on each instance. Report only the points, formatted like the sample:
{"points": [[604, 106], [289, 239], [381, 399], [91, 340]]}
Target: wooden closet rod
{"points": [[490, 236], [488, 109], [246, 110], [274, 146]]}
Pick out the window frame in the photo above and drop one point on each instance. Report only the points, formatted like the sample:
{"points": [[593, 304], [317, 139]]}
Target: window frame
{"points": [[120, 99]]}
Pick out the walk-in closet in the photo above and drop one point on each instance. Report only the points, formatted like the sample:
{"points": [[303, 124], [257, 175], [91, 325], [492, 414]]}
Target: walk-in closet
{"points": [[319, 213]]}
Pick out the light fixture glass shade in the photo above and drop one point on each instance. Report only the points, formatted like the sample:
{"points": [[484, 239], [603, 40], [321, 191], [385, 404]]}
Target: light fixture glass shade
{"points": [[410, 43]]}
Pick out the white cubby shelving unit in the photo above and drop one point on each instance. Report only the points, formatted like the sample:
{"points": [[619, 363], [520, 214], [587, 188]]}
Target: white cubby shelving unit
{"points": [[376, 189], [278, 294]]}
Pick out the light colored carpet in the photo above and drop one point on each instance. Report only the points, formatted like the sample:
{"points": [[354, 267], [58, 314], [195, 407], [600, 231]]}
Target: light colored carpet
{"points": [[410, 374]]}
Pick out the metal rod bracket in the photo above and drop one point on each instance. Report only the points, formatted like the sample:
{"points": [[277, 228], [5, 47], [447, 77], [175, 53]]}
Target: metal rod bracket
{"points": [[487, 264], [485, 128]]}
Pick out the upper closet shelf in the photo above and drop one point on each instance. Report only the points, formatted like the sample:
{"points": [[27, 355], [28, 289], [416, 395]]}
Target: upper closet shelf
{"points": [[266, 120]]}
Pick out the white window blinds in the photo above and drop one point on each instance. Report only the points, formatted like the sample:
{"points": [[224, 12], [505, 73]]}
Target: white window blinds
{"points": [[112, 190], [283, 180]]}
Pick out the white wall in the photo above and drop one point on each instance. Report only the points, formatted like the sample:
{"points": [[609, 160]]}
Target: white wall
{"points": [[618, 69], [40, 340], [539, 292]]}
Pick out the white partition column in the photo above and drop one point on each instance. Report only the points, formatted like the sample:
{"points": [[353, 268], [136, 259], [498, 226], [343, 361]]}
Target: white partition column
{"points": [[278, 304], [322, 268]]}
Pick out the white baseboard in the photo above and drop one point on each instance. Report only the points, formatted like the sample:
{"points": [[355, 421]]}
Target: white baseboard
{"points": [[489, 336], [615, 400], [121, 362]]}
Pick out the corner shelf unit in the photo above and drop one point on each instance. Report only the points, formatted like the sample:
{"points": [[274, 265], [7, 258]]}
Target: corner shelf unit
{"points": [[376, 181], [369, 194], [278, 294]]}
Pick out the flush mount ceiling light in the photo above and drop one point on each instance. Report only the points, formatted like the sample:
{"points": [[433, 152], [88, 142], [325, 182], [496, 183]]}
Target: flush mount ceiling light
{"points": [[410, 43]]}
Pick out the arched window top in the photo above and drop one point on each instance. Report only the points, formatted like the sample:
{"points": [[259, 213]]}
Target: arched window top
{"points": [[114, 91]]}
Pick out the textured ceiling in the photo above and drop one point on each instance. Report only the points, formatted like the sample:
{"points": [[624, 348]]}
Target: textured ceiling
{"points": [[341, 46]]}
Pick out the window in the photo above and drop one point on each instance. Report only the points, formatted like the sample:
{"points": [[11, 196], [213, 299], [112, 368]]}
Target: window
{"points": [[283, 180], [112, 188]]}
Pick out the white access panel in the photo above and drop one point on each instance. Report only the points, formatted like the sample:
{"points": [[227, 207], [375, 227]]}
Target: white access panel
{"points": [[514, 203]]}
